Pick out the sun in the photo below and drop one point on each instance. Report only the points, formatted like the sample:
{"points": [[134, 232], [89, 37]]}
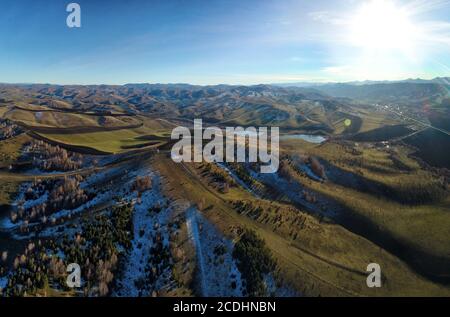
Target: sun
{"points": [[383, 26]]}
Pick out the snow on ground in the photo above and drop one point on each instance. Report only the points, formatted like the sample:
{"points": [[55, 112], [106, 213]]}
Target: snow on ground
{"points": [[103, 197], [294, 192], [97, 200], [102, 176], [308, 171], [237, 179], [105, 160], [28, 204], [6, 224], [3, 282], [21, 193], [138, 257], [218, 273]]}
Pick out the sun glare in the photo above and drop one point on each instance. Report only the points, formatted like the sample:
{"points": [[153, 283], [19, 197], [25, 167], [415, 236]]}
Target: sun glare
{"points": [[381, 25]]}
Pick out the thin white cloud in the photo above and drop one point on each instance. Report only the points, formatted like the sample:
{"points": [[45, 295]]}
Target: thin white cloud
{"points": [[435, 32], [366, 71], [327, 17], [421, 6]]}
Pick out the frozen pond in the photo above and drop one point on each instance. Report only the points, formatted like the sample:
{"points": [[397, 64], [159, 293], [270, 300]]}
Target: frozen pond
{"points": [[305, 137]]}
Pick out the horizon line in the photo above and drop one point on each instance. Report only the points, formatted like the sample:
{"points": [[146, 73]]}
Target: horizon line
{"points": [[312, 82]]}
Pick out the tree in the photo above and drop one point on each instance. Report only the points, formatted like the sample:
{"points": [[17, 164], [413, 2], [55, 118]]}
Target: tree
{"points": [[317, 168], [255, 261]]}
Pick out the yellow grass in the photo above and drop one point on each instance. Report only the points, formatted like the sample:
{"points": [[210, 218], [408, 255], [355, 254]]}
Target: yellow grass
{"points": [[324, 260]]}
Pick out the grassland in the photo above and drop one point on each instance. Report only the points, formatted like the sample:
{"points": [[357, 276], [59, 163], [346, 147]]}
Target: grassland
{"points": [[114, 141], [10, 149], [3, 110], [9, 153], [315, 258], [362, 119], [8, 189], [373, 120], [408, 224], [108, 141]]}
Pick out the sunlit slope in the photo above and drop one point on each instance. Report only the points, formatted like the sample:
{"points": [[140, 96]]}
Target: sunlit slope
{"points": [[391, 195], [291, 108], [315, 258], [151, 132]]}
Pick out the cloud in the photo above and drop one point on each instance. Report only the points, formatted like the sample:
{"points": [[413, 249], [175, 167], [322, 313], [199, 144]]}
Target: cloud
{"points": [[437, 32], [327, 17], [421, 6], [363, 70]]}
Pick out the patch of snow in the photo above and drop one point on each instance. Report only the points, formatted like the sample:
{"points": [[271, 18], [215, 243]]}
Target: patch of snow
{"points": [[101, 176], [139, 254], [3, 282], [38, 201], [99, 199], [192, 227], [305, 168], [7, 224], [237, 179], [293, 191], [217, 273]]}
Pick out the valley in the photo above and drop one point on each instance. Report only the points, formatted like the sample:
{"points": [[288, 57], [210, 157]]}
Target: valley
{"points": [[86, 177]]}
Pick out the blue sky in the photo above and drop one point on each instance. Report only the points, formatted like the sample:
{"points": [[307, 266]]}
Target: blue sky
{"points": [[228, 41]]}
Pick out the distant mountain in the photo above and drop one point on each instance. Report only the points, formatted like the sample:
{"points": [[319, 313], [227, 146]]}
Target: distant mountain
{"points": [[412, 93], [262, 105], [438, 80], [405, 92], [320, 108]]}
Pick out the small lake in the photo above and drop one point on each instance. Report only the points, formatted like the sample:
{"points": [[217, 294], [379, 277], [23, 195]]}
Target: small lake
{"points": [[305, 137], [317, 139]]}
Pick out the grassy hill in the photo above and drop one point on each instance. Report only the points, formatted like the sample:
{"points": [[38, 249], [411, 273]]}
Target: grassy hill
{"points": [[98, 158]]}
